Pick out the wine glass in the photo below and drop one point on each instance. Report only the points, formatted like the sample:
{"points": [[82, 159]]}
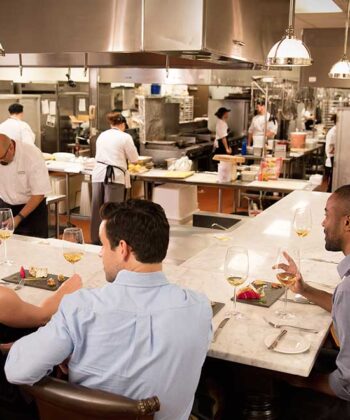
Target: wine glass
{"points": [[286, 278], [236, 272], [302, 222], [7, 227], [73, 249]]}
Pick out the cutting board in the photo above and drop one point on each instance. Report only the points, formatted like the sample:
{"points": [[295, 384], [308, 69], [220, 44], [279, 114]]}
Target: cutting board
{"points": [[178, 174], [271, 295], [40, 283]]}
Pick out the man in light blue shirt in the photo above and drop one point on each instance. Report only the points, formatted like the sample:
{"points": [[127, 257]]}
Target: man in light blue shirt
{"points": [[138, 336]]}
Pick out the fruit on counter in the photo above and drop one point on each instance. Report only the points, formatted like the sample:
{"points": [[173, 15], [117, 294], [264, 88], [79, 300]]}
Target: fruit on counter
{"points": [[22, 273], [248, 293]]}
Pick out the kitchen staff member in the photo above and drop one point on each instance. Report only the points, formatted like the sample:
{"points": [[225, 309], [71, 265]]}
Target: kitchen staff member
{"points": [[221, 146], [330, 152], [15, 128], [257, 126], [110, 177], [24, 182]]}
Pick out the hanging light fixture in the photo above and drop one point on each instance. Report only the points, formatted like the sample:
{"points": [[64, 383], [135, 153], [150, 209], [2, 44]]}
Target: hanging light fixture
{"points": [[289, 51], [341, 69]]}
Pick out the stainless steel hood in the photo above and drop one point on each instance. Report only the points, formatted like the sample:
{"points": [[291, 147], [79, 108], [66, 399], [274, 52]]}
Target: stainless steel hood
{"points": [[195, 33]]}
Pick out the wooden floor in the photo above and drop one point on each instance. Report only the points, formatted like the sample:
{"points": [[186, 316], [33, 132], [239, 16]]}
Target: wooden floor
{"points": [[207, 201]]}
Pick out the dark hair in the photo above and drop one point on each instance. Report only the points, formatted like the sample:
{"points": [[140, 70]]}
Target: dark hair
{"points": [[116, 118], [334, 118], [221, 112], [15, 108], [142, 225], [343, 195], [260, 102], [273, 118]]}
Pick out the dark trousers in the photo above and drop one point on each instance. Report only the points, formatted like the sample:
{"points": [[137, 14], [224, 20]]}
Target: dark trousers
{"points": [[329, 176], [13, 404], [36, 224]]}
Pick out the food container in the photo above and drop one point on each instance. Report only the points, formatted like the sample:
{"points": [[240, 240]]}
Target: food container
{"points": [[257, 151], [225, 172], [297, 140], [248, 176], [170, 162]]}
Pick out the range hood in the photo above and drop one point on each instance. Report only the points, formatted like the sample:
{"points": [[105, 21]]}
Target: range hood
{"points": [[202, 33]]}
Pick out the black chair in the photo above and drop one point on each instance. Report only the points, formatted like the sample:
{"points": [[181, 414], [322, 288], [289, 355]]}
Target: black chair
{"points": [[61, 400]]}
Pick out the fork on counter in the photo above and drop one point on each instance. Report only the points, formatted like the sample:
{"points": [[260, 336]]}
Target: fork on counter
{"points": [[274, 325]]}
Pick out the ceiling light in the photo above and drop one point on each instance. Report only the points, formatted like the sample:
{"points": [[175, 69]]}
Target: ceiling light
{"points": [[341, 69], [289, 51]]}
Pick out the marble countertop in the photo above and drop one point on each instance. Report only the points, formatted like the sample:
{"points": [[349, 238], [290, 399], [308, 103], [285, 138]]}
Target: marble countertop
{"points": [[196, 260]]}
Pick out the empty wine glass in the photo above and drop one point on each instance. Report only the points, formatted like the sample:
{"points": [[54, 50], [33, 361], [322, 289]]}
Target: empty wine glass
{"points": [[286, 276], [302, 222], [73, 245], [236, 272], [6, 231]]}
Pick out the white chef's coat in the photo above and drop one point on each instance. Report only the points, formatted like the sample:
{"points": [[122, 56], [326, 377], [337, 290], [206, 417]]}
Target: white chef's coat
{"points": [[258, 124], [220, 131], [17, 130], [114, 147], [330, 141], [25, 176]]}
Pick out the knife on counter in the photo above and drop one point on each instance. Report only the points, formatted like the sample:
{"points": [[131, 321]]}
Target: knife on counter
{"points": [[277, 339], [219, 328]]}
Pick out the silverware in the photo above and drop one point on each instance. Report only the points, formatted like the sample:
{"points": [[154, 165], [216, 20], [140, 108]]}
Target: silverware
{"points": [[303, 302], [274, 325], [277, 339], [219, 328]]}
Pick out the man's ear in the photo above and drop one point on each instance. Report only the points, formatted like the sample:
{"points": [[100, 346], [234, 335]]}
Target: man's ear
{"points": [[347, 223], [125, 250]]}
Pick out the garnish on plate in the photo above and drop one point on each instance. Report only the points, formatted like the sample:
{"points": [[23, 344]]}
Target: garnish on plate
{"points": [[248, 293], [22, 272]]}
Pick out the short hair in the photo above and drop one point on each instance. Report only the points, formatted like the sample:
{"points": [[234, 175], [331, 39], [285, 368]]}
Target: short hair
{"points": [[343, 196], [116, 118], [15, 108], [142, 225]]}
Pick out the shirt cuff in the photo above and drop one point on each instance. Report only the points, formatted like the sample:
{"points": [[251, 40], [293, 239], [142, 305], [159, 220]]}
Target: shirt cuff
{"points": [[335, 381]]}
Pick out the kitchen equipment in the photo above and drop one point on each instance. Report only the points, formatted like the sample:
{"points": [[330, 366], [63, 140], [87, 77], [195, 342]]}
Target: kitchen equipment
{"points": [[297, 139]]}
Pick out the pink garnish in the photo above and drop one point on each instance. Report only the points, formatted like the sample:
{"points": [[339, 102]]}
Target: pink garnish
{"points": [[22, 273]]}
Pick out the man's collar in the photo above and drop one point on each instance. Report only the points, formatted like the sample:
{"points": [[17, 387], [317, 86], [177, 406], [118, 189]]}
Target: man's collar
{"points": [[135, 279]]}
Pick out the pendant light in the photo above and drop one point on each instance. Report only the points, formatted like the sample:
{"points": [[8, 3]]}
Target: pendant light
{"points": [[289, 51], [341, 69]]}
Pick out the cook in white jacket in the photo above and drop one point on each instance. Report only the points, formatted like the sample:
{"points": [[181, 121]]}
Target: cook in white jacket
{"points": [[110, 177], [15, 128], [257, 126], [330, 151]]}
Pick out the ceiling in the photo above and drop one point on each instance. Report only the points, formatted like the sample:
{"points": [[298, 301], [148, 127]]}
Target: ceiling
{"points": [[320, 14]]}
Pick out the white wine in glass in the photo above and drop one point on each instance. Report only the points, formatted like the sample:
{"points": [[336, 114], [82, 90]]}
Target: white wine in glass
{"points": [[236, 272], [6, 231], [73, 245], [287, 279], [302, 222]]}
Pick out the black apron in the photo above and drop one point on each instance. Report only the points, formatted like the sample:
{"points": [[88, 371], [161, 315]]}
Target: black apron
{"points": [[109, 177], [35, 224]]}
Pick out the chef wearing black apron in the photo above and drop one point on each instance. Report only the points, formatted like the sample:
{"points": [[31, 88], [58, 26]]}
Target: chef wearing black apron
{"points": [[24, 182]]}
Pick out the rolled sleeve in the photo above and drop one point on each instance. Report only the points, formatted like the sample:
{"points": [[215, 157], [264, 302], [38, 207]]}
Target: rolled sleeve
{"points": [[339, 380], [34, 356], [39, 180]]}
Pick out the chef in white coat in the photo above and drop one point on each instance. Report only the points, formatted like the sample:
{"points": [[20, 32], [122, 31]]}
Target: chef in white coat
{"points": [[15, 128], [257, 126], [330, 152], [110, 177], [24, 183]]}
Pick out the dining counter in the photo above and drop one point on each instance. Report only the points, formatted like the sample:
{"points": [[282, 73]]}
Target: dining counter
{"points": [[196, 258]]}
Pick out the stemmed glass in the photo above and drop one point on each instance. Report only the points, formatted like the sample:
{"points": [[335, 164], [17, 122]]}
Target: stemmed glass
{"points": [[302, 222], [7, 227], [236, 272], [286, 278], [73, 249]]}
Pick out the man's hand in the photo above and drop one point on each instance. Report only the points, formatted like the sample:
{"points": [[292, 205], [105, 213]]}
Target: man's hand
{"points": [[299, 285], [229, 151], [16, 221], [72, 284]]}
